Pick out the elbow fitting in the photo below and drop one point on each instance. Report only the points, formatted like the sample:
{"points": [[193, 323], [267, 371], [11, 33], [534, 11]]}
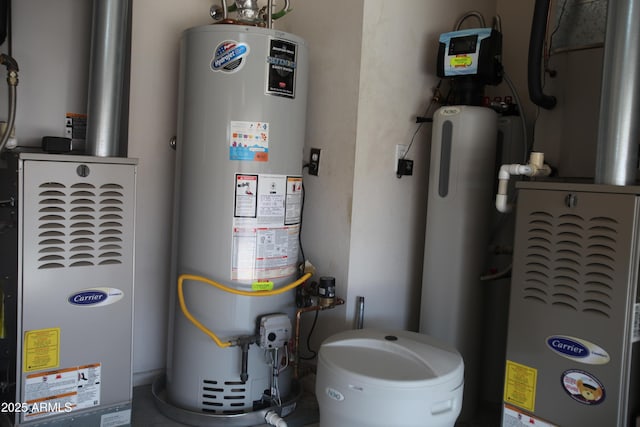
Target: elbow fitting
{"points": [[9, 62]]}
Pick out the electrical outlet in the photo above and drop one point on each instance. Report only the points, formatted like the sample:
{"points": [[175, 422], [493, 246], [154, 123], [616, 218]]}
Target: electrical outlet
{"points": [[314, 161], [401, 151], [405, 167]]}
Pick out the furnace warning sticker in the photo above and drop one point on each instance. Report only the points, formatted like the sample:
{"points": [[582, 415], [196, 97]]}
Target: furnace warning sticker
{"points": [[63, 390], [583, 387], [514, 417], [249, 141], [520, 385], [229, 56], [41, 349]]}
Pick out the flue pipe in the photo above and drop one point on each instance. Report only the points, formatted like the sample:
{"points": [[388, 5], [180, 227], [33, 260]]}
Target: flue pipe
{"points": [[107, 78], [618, 126]]}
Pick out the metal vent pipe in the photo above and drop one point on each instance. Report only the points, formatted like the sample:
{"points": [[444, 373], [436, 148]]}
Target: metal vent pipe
{"points": [[108, 79], [619, 123]]}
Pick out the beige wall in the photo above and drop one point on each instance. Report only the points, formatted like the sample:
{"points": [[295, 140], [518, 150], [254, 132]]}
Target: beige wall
{"points": [[568, 133]]}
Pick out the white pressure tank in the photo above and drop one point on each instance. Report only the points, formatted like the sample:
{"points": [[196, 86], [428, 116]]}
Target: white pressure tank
{"points": [[376, 378]]}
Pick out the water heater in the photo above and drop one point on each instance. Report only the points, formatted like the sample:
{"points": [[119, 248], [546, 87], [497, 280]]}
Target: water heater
{"points": [[241, 128]]}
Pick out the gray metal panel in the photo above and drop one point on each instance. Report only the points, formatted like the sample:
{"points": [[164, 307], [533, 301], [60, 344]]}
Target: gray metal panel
{"points": [[77, 233], [575, 274]]}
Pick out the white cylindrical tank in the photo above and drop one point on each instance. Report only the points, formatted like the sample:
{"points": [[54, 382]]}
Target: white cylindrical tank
{"points": [[241, 128], [461, 187], [375, 378]]}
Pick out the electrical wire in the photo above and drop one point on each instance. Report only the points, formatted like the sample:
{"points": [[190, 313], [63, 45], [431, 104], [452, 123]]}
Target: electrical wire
{"points": [[309, 349], [467, 15], [434, 100], [523, 119], [553, 33], [300, 229]]}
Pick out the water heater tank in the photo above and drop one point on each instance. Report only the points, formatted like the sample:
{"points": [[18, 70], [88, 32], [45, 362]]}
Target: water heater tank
{"points": [[241, 128]]}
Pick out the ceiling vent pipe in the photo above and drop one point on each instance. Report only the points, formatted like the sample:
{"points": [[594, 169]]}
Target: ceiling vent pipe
{"points": [[107, 110], [619, 123]]}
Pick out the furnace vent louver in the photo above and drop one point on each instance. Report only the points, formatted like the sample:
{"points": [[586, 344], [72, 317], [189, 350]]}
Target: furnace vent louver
{"points": [[570, 262], [79, 224]]}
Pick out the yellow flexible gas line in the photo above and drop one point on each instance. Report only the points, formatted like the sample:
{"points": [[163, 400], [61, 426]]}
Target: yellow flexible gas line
{"points": [[203, 328]]}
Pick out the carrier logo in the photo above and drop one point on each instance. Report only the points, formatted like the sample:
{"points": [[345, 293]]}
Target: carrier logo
{"points": [[578, 350], [228, 56], [96, 297]]}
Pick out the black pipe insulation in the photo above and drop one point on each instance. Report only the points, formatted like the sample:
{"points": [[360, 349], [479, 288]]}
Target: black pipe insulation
{"points": [[536, 45], [4, 15]]}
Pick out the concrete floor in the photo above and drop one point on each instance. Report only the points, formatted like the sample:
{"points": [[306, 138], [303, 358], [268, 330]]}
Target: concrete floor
{"points": [[146, 414]]}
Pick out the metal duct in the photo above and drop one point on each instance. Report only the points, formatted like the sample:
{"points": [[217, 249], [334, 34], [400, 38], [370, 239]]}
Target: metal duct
{"points": [[618, 129], [108, 78]]}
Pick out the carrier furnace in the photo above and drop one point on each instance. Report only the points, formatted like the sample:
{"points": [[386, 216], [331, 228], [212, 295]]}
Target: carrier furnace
{"points": [[572, 353], [66, 276]]}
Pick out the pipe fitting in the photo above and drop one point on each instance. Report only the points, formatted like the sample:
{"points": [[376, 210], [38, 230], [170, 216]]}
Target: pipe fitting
{"points": [[535, 167], [273, 419]]}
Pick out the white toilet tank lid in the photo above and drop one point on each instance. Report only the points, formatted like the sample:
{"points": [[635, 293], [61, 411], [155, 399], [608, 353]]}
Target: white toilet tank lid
{"points": [[397, 358]]}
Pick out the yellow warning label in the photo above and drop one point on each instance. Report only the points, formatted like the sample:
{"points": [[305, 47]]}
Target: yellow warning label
{"points": [[41, 349], [520, 385], [461, 61], [262, 286]]}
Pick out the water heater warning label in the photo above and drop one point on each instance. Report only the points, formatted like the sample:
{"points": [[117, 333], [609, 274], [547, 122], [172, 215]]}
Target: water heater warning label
{"points": [[266, 226], [249, 141], [281, 68]]}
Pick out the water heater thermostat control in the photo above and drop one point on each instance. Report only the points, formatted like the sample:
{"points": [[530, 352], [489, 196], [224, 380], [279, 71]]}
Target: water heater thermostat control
{"points": [[275, 330]]}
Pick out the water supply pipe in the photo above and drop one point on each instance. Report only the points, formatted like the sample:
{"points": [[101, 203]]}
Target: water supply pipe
{"points": [[535, 167], [12, 81], [618, 127]]}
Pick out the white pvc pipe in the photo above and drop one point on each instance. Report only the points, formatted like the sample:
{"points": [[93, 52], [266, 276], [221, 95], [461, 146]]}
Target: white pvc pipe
{"points": [[535, 167], [273, 419]]}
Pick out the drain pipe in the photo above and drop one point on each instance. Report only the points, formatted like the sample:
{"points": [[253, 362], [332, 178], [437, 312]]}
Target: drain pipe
{"points": [[108, 78], [12, 81], [618, 131]]}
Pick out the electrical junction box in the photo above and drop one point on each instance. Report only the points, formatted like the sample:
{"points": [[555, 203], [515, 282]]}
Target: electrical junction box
{"points": [[471, 53], [275, 331]]}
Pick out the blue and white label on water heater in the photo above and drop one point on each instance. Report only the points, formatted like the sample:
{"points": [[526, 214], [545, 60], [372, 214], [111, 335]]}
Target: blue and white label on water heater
{"points": [[229, 56], [578, 350], [95, 297]]}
